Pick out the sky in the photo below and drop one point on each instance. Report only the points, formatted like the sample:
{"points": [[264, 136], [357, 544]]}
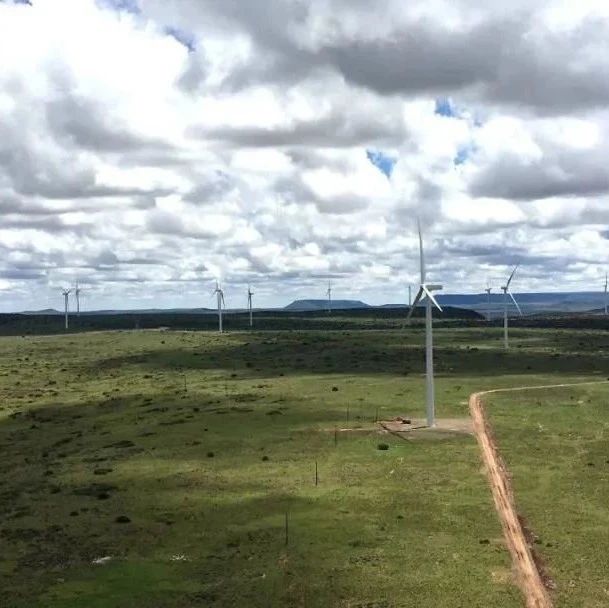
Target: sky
{"points": [[150, 147]]}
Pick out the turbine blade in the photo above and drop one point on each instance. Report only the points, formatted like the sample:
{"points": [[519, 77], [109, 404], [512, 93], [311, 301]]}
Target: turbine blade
{"points": [[515, 303], [416, 301], [512, 275], [430, 296]]}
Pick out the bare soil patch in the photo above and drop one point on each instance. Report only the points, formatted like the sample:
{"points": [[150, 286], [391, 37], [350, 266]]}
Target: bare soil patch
{"points": [[416, 428]]}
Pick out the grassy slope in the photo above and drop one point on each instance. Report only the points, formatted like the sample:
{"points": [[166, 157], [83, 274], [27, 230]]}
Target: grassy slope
{"points": [[384, 528]]}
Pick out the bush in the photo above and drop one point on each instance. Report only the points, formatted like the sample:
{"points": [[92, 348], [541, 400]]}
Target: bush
{"points": [[382, 446]]}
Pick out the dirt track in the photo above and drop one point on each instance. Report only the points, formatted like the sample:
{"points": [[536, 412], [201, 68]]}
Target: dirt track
{"points": [[529, 579]]}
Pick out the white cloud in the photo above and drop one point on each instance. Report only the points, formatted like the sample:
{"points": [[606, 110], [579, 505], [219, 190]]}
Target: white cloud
{"points": [[127, 160]]}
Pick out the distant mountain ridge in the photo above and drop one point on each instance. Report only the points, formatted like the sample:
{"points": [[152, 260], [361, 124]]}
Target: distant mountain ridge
{"points": [[302, 305], [530, 303]]}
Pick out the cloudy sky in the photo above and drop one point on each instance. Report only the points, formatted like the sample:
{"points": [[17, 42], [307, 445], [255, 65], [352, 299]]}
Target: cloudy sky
{"points": [[148, 147]]}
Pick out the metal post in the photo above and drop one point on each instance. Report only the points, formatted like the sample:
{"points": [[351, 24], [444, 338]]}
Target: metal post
{"points": [[219, 313], [505, 320], [429, 365], [488, 306]]}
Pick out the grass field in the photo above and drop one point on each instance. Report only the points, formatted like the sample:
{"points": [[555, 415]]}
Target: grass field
{"points": [[556, 444], [173, 458]]}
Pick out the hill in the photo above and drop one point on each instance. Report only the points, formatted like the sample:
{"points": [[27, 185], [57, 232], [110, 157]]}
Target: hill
{"points": [[304, 305]]}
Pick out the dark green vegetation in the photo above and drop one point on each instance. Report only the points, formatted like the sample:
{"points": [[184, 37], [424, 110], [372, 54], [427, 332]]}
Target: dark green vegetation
{"points": [[368, 318], [280, 320], [177, 455]]}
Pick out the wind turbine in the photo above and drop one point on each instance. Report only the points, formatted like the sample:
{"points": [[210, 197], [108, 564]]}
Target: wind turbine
{"points": [[605, 294], [220, 295], [409, 295], [329, 294], [250, 293], [488, 302], [506, 293], [425, 291], [77, 291], [66, 293]]}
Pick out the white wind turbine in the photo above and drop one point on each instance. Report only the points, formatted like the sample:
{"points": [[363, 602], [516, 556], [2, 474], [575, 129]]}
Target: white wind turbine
{"points": [[425, 291], [250, 293], [329, 294], [77, 291], [220, 295], [66, 294], [488, 302], [506, 293], [605, 294]]}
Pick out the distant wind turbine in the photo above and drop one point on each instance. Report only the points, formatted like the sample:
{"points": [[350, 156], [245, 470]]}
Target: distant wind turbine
{"points": [[409, 295], [250, 293], [77, 291], [506, 293], [220, 295], [425, 291], [605, 294], [66, 294], [329, 294], [488, 302]]}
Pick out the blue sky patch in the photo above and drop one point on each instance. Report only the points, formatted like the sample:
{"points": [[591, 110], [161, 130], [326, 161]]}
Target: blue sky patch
{"points": [[444, 107], [383, 162], [463, 154]]}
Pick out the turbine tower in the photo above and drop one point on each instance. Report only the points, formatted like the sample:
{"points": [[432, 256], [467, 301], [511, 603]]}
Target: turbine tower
{"points": [[605, 294], [250, 293], [425, 291], [329, 294], [66, 294], [488, 302], [77, 291], [409, 295], [506, 293], [220, 295]]}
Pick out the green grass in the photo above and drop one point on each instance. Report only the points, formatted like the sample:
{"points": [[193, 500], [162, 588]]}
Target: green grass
{"points": [[403, 527], [556, 444]]}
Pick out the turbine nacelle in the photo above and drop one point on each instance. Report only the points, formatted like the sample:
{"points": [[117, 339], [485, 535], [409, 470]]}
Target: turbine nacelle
{"points": [[218, 291], [425, 291]]}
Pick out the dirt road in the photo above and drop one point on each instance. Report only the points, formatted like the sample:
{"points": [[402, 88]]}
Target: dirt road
{"points": [[529, 579], [527, 574]]}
